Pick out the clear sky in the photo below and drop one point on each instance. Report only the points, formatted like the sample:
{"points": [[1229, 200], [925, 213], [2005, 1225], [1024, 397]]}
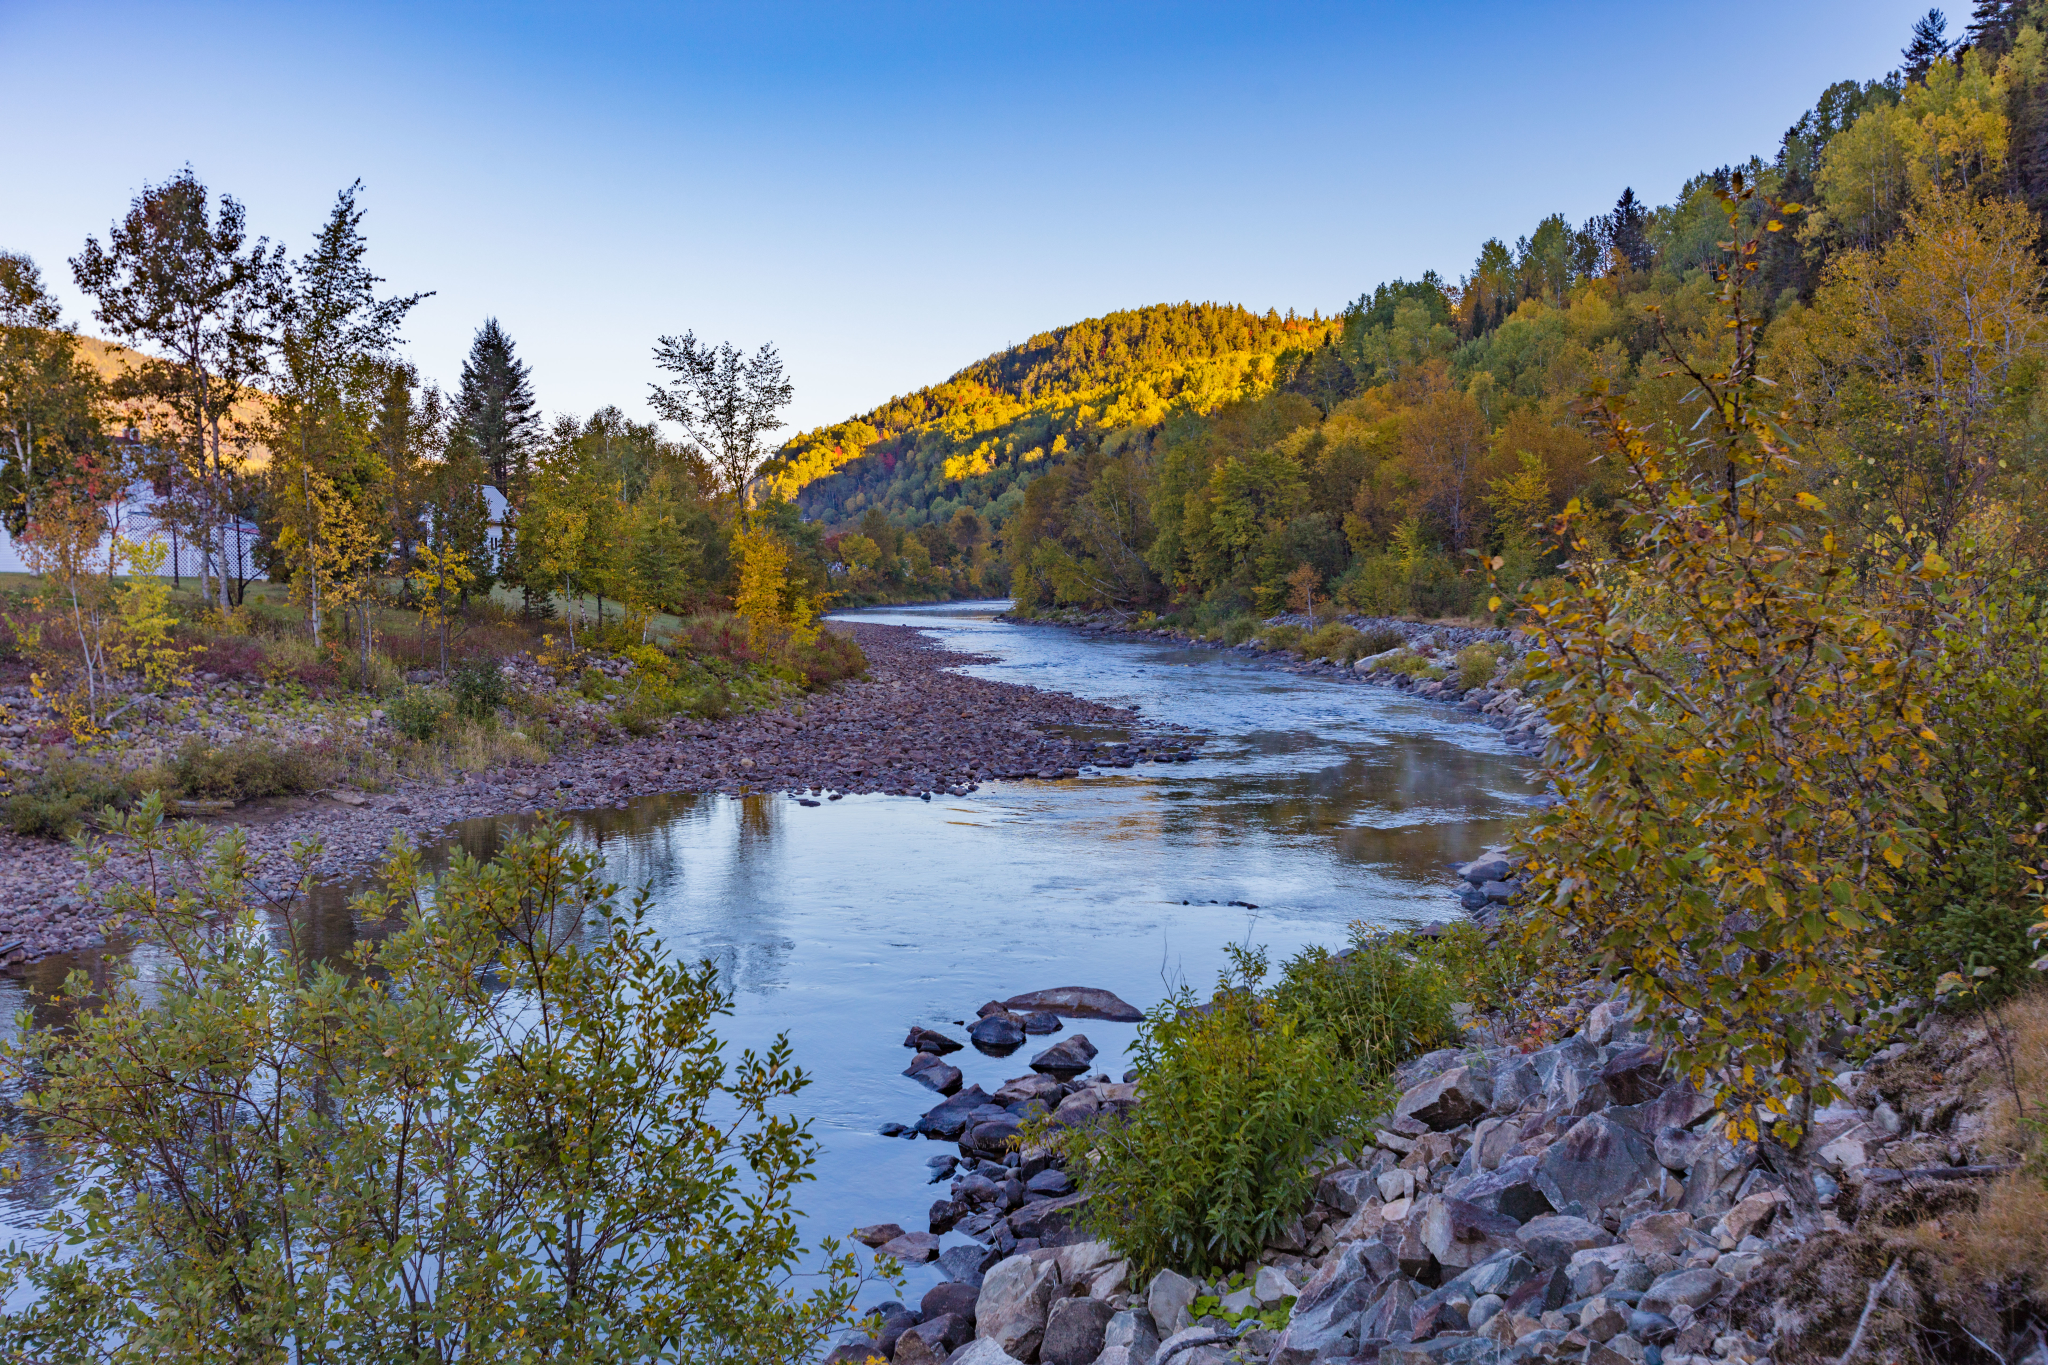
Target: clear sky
{"points": [[889, 192]]}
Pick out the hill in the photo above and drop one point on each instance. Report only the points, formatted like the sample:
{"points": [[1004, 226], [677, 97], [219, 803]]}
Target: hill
{"points": [[110, 360], [977, 439]]}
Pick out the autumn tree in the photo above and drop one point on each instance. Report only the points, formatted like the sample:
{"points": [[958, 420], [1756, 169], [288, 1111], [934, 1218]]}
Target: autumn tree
{"points": [[179, 277], [727, 403], [51, 401], [335, 343]]}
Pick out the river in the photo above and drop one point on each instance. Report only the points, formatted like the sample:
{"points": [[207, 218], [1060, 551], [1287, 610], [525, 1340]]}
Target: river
{"points": [[1313, 804]]}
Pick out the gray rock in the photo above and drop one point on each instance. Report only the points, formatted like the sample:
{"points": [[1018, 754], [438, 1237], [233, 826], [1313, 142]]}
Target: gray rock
{"points": [[1679, 1106], [912, 1248], [1076, 1002], [930, 1040], [1168, 1298], [963, 1264], [1486, 869], [1074, 1331], [1388, 1312], [997, 1031], [991, 1136], [1510, 1189], [982, 1351], [1050, 1183], [1515, 1083], [1011, 1309], [1595, 1164], [1031, 1087], [1655, 1329], [1552, 1239], [877, 1234], [1634, 1075], [861, 1351], [948, 1121], [1181, 1344], [1326, 1311], [1042, 1022], [931, 1341], [1067, 1057], [1674, 1148], [1129, 1339], [1694, 1288], [950, 1297], [1344, 1191], [1046, 1217], [927, 1069], [1461, 1234], [1456, 1097], [1602, 1318]]}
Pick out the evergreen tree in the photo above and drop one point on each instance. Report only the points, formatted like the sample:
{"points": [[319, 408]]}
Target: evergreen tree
{"points": [[495, 407], [1993, 26], [1624, 231], [1930, 43]]}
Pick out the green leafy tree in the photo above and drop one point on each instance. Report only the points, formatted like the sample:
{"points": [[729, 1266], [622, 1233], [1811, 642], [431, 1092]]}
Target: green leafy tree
{"points": [[51, 402], [509, 1131], [726, 403]]}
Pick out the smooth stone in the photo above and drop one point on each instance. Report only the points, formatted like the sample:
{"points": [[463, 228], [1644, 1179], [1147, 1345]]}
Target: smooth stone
{"points": [[1067, 1057], [1076, 1002], [930, 1040]]}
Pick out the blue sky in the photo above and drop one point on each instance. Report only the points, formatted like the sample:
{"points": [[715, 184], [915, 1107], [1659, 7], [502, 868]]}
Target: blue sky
{"points": [[889, 192]]}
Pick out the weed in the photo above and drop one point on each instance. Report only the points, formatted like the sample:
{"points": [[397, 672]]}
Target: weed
{"points": [[1477, 664], [418, 713], [247, 769], [479, 689]]}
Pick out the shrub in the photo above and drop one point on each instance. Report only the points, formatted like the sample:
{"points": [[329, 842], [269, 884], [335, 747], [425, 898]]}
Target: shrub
{"points": [[1386, 999], [655, 1178], [478, 687], [247, 769], [828, 659], [1238, 1097], [59, 800], [1336, 642], [1281, 637], [1237, 629], [418, 713], [1379, 640], [1477, 664]]}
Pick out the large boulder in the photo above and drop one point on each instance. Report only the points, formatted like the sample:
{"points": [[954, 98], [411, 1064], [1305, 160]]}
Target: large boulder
{"points": [[1076, 1002], [1130, 1338], [1032, 1086], [1074, 1331], [861, 1351], [949, 1297], [1634, 1075], [1677, 1106], [1510, 1189], [1346, 1190], [877, 1234], [912, 1248], [1515, 1083], [1015, 1297], [948, 1120], [1094, 1103], [963, 1265], [982, 1351], [1552, 1239], [1461, 1234], [991, 1136], [1391, 1311], [1068, 1057], [1694, 1288], [1455, 1098], [1325, 1318], [1596, 1163]]}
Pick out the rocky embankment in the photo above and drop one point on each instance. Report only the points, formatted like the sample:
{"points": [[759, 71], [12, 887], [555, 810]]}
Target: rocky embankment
{"points": [[1502, 707], [911, 727], [1568, 1203]]}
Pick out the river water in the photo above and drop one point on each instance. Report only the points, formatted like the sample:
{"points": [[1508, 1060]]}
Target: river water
{"points": [[1313, 804]]}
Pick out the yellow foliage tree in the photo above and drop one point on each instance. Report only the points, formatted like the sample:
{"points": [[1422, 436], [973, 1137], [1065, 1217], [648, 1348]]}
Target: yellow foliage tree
{"points": [[767, 601], [439, 576]]}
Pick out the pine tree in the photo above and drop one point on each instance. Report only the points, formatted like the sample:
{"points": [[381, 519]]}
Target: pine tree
{"points": [[1930, 43], [495, 407], [1993, 26], [1624, 231]]}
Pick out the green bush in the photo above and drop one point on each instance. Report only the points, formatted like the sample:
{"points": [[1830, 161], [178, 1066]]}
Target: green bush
{"points": [[1379, 640], [1386, 999], [1238, 1096], [1476, 665], [478, 687], [1282, 637], [1237, 629], [418, 713], [58, 800], [245, 770]]}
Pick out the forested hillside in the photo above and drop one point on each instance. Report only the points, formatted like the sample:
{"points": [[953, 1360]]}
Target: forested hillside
{"points": [[1206, 458]]}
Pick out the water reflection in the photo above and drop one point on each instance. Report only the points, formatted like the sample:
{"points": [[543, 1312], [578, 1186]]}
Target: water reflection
{"points": [[843, 924]]}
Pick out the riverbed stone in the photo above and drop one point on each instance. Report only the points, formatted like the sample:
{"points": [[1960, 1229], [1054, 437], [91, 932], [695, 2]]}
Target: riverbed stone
{"points": [[912, 1248], [1046, 1217], [1076, 1002], [927, 1070], [948, 1121], [1032, 1086], [1011, 1309], [991, 1136], [950, 1297], [877, 1234], [1041, 1021], [997, 1031], [1074, 1331], [1068, 1057], [923, 1039], [932, 1341]]}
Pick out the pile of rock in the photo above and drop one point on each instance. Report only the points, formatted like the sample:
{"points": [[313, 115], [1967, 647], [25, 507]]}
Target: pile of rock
{"points": [[1571, 1203]]}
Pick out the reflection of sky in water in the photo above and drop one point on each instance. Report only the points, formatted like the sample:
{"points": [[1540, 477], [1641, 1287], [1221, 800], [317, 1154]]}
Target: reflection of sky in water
{"points": [[1318, 802]]}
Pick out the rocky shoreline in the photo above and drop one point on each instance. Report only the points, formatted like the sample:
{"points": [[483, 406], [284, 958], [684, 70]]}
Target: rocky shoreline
{"points": [[1504, 708], [911, 727], [1570, 1203]]}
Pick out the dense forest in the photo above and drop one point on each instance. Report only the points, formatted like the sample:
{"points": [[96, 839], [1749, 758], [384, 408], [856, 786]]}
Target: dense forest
{"points": [[1211, 460]]}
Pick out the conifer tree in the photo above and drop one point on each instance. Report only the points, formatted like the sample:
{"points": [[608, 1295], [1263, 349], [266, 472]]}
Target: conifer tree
{"points": [[1930, 43], [495, 407], [1624, 231], [1993, 26]]}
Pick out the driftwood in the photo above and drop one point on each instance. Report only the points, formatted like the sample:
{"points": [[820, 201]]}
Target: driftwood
{"points": [[1869, 1307]]}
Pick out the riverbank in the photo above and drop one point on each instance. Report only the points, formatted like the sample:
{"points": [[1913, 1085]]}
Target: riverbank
{"points": [[1422, 666], [910, 727]]}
